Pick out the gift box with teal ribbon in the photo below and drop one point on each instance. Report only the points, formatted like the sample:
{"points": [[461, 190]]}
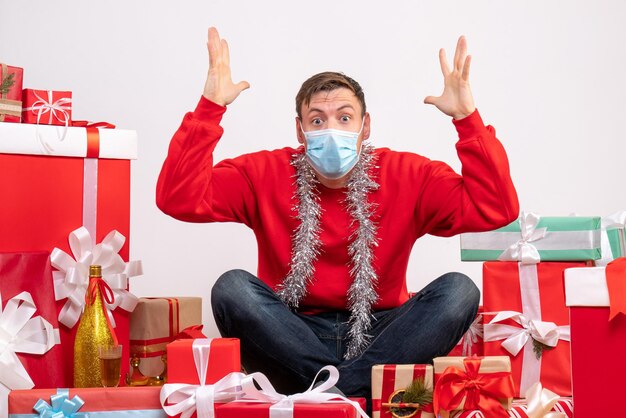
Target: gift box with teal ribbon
{"points": [[533, 238], [130, 402]]}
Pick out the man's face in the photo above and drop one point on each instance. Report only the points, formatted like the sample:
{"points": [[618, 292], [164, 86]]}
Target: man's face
{"points": [[335, 109]]}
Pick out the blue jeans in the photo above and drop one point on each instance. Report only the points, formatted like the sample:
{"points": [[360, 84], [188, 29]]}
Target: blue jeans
{"points": [[290, 347]]}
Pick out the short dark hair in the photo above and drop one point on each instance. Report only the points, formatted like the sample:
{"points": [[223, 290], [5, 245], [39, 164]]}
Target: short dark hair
{"points": [[327, 81]]}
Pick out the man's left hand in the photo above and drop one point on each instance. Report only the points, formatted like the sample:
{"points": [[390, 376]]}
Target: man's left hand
{"points": [[456, 99]]}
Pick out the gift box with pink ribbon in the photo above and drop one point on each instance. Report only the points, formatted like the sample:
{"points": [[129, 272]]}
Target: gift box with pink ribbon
{"points": [[29, 352], [596, 297], [10, 93], [238, 395], [71, 192], [397, 388], [47, 107], [526, 319]]}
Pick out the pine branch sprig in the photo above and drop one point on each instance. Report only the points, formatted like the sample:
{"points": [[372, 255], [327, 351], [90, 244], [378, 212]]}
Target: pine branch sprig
{"points": [[7, 83]]}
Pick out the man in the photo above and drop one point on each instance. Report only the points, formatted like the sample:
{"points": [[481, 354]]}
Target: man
{"points": [[335, 221]]}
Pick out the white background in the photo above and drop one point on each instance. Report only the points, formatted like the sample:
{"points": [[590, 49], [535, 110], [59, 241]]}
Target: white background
{"points": [[549, 75]]}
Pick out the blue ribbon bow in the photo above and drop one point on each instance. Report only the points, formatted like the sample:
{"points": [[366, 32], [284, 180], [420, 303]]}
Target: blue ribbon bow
{"points": [[62, 406]]}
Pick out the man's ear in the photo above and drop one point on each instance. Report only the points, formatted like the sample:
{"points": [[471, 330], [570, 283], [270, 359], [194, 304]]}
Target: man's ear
{"points": [[366, 126], [299, 133]]}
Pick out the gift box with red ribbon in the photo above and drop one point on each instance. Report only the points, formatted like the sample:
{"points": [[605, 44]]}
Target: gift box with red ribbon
{"points": [[471, 344], [473, 383], [70, 192], [596, 297], [10, 93], [156, 322], [47, 107], [29, 332], [117, 402], [529, 322], [390, 382]]}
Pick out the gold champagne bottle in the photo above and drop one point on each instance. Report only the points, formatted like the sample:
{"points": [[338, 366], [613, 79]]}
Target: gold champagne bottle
{"points": [[93, 330]]}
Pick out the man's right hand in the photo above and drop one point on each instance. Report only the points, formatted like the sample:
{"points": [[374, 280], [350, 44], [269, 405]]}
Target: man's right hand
{"points": [[219, 87]]}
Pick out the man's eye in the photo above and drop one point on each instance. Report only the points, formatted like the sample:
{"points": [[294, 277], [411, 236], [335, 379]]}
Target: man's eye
{"points": [[345, 118], [316, 121]]}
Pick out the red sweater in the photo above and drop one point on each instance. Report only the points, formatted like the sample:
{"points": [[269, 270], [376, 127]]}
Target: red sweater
{"points": [[417, 196]]}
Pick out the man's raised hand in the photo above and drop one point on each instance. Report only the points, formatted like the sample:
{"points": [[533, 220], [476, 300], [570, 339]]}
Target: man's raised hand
{"points": [[456, 99], [219, 87]]}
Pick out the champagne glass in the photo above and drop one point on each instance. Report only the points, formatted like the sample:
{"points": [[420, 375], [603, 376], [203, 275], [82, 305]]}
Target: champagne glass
{"points": [[110, 362]]}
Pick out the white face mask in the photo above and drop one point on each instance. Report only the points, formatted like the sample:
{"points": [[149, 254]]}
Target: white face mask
{"points": [[332, 152]]}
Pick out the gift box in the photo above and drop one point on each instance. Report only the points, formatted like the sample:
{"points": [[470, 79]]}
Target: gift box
{"points": [[471, 344], [532, 322], [467, 383], [47, 107], [303, 410], [598, 342], [223, 358], [390, 381], [10, 93], [139, 402], [55, 190], [156, 322], [613, 238], [533, 238], [519, 409]]}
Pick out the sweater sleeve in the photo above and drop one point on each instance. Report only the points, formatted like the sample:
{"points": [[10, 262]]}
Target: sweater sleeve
{"points": [[189, 187], [482, 198]]}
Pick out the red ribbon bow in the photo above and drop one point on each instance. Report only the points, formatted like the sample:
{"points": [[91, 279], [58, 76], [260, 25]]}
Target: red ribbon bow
{"points": [[480, 390], [616, 283], [190, 333], [95, 284]]}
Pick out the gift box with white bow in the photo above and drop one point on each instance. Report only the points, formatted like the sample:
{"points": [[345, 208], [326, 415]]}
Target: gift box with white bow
{"points": [[120, 402], [533, 238], [59, 182], [29, 352], [526, 319], [47, 107], [596, 297]]}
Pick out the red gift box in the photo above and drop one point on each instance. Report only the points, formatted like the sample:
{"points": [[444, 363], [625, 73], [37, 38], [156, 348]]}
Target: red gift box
{"points": [[121, 401], [261, 410], [47, 107], [471, 344], [535, 293], [598, 344], [224, 358], [52, 195], [10, 93]]}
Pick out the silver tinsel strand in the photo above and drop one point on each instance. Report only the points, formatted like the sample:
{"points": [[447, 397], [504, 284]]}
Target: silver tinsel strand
{"points": [[306, 245], [306, 242]]}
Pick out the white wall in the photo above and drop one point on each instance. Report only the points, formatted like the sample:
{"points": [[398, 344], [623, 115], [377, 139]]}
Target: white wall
{"points": [[547, 75]]}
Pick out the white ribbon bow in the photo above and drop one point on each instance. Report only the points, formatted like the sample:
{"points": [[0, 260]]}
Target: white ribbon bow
{"points": [[540, 402], [72, 279], [614, 221], [21, 332], [523, 250], [471, 337], [185, 399], [515, 338], [58, 109], [284, 405]]}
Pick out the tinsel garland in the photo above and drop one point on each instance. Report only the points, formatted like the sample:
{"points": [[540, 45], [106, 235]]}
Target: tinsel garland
{"points": [[306, 244]]}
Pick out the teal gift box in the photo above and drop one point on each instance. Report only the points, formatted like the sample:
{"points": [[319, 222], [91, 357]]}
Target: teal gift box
{"points": [[533, 238], [613, 238]]}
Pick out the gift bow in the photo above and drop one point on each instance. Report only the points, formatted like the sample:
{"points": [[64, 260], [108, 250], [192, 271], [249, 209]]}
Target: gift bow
{"points": [[616, 284], [184, 399], [472, 335], [480, 390], [57, 109], [60, 406], [20, 332], [539, 403], [283, 405], [515, 338], [523, 250], [72, 279]]}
